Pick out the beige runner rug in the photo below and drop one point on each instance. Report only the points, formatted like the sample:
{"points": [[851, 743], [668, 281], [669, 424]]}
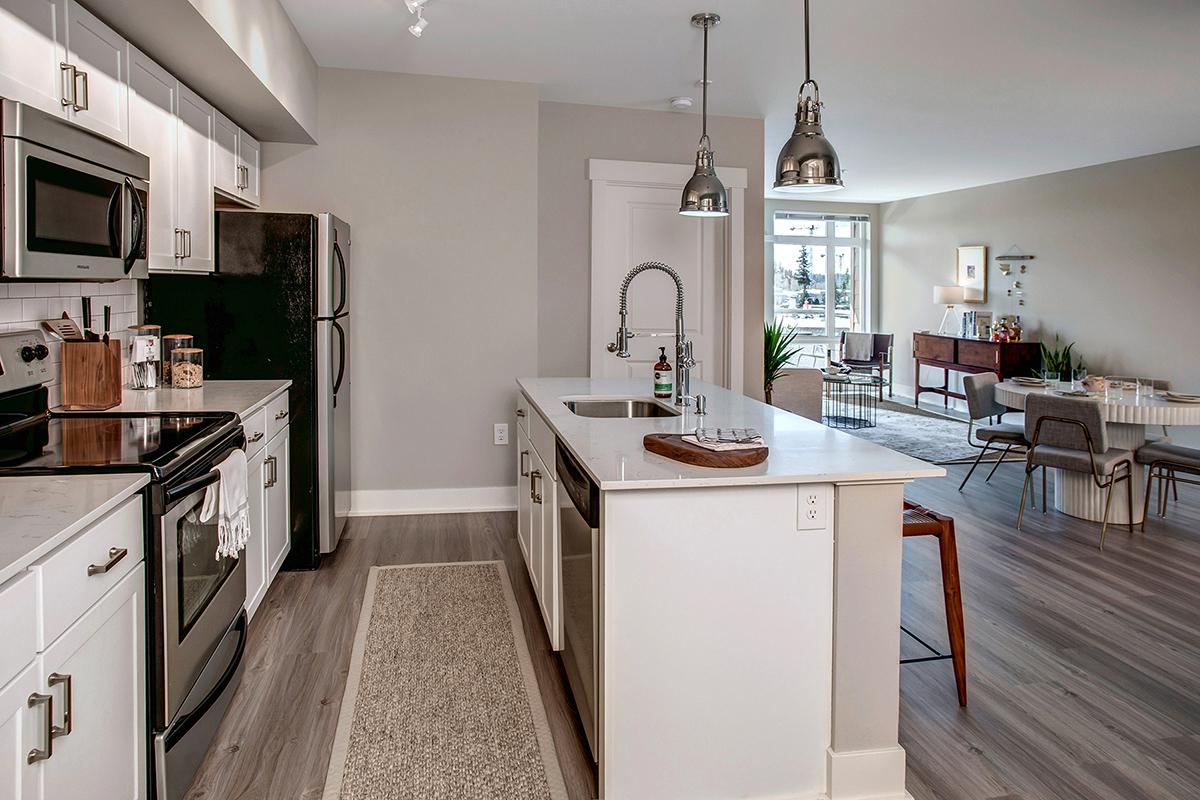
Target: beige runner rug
{"points": [[441, 699]]}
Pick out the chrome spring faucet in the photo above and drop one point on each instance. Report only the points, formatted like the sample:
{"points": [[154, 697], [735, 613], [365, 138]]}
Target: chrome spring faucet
{"points": [[684, 361]]}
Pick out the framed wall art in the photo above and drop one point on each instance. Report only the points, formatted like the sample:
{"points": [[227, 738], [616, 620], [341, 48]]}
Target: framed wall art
{"points": [[972, 272]]}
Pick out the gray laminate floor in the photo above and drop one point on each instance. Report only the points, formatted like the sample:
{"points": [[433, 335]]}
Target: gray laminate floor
{"points": [[1084, 667]]}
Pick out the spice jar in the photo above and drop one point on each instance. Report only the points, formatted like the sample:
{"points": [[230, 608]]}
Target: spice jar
{"points": [[187, 367], [145, 356], [170, 343]]}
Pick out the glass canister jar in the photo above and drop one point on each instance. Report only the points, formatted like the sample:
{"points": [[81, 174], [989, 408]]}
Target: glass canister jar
{"points": [[145, 356], [187, 367], [170, 343]]}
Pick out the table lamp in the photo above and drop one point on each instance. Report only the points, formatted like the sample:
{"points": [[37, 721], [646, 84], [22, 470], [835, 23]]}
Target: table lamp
{"points": [[948, 296]]}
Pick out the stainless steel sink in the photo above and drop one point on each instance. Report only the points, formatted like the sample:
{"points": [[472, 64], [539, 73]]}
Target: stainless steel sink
{"points": [[619, 409]]}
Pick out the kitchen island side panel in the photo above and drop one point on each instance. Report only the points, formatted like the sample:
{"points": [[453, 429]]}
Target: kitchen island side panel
{"points": [[716, 644]]}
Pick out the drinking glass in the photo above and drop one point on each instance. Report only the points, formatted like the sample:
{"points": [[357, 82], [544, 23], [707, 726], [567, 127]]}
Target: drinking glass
{"points": [[1145, 388], [1078, 376], [1050, 377]]}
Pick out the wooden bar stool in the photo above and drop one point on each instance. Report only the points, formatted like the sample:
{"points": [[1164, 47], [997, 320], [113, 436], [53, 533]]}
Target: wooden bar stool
{"points": [[920, 521]]}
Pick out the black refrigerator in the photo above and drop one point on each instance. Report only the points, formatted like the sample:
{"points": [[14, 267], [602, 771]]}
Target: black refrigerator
{"points": [[277, 306]]}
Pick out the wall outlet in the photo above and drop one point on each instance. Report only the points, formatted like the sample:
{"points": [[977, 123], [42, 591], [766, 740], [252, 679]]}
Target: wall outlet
{"points": [[812, 507], [500, 433]]}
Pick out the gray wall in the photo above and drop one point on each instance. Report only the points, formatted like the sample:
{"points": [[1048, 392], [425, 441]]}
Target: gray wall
{"points": [[438, 177], [569, 135], [1117, 266]]}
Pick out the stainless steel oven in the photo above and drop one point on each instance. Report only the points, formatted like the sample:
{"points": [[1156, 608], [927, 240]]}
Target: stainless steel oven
{"points": [[75, 203], [199, 623]]}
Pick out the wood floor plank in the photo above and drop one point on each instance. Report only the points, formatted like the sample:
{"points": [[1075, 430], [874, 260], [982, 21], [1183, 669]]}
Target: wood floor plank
{"points": [[1082, 665]]}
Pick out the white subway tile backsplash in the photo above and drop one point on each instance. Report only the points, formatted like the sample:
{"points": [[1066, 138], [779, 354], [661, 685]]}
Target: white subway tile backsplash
{"points": [[45, 290], [22, 289], [33, 309]]}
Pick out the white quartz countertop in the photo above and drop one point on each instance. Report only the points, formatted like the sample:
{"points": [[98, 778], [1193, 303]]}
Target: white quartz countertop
{"points": [[802, 451], [38, 513], [236, 396]]}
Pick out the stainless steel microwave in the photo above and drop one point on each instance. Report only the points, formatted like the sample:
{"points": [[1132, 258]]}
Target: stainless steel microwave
{"points": [[75, 203]]}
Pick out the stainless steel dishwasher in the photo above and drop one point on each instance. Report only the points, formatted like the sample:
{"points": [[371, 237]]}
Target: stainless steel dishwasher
{"points": [[579, 524]]}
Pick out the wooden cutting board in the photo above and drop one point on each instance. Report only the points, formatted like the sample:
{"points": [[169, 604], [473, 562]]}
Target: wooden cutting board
{"points": [[673, 446]]}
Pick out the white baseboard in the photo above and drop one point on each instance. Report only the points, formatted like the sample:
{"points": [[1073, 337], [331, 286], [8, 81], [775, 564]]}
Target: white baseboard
{"points": [[862, 774], [396, 502]]}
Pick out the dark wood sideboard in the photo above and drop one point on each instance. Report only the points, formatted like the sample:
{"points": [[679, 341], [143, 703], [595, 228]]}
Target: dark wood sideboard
{"points": [[954, 353]]}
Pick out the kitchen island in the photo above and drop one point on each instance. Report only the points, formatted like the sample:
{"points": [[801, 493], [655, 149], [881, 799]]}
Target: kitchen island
{"points": [[744, 623]]}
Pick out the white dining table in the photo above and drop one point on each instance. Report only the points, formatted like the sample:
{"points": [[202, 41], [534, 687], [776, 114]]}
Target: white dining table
{"points": [[1128, 416]]}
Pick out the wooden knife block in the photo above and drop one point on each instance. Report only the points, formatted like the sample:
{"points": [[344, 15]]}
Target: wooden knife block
{"points": [[91, 375]]}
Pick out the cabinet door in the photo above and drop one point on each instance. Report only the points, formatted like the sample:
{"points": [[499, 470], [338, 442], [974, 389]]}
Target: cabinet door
{"points": [[279, 520], [524, 452], [249, 152], [537, 477], [195, 122], [100, 664], [152, 101], [550, 597], [22, 729], [101, 56], [33, 35], [225, 156], [256, 547]]}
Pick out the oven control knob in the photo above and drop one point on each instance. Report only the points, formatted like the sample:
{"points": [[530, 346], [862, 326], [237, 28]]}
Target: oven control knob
{"points": [[41, 351], [27, 354]]}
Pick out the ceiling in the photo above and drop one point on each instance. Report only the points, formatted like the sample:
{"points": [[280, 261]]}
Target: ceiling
{"points": [[921, 96]]}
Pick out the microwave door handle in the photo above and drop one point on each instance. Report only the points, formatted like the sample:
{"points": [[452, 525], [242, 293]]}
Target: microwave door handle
{"points": [[114, 220], [137, 221]]}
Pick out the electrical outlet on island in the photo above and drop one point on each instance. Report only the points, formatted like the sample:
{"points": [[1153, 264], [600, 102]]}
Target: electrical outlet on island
{"points": [[500, 433]]}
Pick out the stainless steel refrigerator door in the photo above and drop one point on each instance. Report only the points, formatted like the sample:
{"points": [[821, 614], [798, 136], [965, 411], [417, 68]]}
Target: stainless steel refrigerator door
{"points": [[333, 265], [333, 429]]}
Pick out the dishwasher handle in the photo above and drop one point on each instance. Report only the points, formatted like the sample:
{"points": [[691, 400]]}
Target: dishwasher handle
{"points": [[578, 485]]}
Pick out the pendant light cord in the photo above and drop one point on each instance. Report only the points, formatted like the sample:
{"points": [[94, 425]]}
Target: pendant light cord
{"points": [[704, 90], [807, 49]]}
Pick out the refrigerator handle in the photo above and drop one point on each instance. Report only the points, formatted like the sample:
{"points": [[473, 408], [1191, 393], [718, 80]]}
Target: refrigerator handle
{"points": [[341, 372], [341, 262]]}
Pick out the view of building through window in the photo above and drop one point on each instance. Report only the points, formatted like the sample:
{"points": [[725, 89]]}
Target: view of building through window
{"points": [[820, 276]]}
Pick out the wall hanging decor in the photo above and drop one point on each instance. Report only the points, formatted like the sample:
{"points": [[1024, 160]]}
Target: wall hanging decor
{"points": [[972, 272]]}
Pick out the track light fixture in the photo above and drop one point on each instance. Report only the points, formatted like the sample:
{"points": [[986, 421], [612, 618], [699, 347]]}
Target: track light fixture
{"points": [[418, 27], [415, 6]]}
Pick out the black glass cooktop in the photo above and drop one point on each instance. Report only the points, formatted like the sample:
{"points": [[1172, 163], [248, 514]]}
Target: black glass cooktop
{"points": [[104, 442]]}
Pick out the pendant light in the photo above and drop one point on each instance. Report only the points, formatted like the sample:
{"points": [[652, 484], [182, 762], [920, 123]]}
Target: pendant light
{"points": [[704, 195], [807, 162]]}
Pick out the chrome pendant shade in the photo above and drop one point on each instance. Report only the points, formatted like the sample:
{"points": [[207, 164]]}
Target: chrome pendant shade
{"points": [[704, 195], [807, 162]]}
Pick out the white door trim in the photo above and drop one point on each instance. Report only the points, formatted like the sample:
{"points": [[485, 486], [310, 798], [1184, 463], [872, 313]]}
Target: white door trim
{"points": [[604, 174]]}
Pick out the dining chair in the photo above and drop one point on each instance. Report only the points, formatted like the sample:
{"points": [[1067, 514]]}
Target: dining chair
{"points": [[1071, 434], [799, 391], [1166, 461], [1159, 386], [981, 403]]}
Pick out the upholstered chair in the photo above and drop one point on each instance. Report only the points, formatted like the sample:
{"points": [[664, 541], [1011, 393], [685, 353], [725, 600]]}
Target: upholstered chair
{"points": [[981, 404]]}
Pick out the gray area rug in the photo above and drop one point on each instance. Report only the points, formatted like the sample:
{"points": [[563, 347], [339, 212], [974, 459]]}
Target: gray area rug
{"points": [[441, 700], [920, 434]]}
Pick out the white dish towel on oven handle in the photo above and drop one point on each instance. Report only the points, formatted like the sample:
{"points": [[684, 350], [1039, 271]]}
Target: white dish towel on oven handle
{"points": [[229, 500]]}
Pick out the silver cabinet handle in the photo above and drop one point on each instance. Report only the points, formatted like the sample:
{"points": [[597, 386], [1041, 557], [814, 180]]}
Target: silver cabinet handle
{"points": [[81, 106], [41, 754], [521, 413], [258, 435], [535, 486], [188, 237], [274, 477], [115, 554], [281, 414], [56, 679], [524, 470], [68, 84], [179, 242]]}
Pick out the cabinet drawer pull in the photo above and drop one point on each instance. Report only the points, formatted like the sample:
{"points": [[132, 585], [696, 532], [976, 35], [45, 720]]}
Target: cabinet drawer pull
{"points": [[521, 413], [55, 679], [281, 414], [524, 469], [535, 493], [115, 554], [258, 435], [41, 754]]}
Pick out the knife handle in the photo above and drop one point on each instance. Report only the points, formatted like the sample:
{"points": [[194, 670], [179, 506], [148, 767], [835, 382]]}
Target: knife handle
{"points": [[87, 312]]}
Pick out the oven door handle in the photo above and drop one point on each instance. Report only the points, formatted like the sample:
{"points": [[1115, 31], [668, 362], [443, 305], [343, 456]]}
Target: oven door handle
{"points": [[188, 487]]}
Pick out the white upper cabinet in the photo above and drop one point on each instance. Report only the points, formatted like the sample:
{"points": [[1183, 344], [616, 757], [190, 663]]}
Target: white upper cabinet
{"points": [[236, 162], [33, 36], [195, 125], [153, 96], [97, 75]]}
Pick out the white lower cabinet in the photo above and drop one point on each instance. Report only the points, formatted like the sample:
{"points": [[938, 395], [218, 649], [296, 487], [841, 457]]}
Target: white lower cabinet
{"points": [[268, 462], [538, 525], [22, 729]]}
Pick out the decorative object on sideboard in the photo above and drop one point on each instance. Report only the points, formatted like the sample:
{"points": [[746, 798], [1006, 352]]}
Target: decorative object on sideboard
{"points": [[971, 272], [807, 161], [948, 296], [778, 352], [704, 195]]}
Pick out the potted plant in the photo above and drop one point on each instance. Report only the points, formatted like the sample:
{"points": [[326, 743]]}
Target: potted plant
{"points": [[1059, 359], [778, 351]]}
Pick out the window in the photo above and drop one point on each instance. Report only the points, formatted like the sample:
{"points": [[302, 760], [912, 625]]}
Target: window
{"points": [[820, 274]]}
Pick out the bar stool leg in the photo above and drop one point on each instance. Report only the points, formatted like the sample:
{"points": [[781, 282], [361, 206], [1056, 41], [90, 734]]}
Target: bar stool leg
{"points": [[954, 610]]}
